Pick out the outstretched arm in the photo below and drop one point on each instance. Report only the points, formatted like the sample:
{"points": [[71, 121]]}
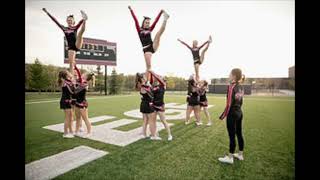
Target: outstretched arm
{"points": [[79, 24], [158, 78], [135, 19], [53, 18], [184, 43], [78, 73], [203, 44], [156, 20]]}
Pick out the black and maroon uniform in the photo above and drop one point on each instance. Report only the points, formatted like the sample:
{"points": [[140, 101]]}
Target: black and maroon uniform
{"points": [[203, 98], [158, 98], [146, 100], [145, 34], [193, 97], [234, 115], [80, 91], [195, 52], [69, 32], [67, 91]]}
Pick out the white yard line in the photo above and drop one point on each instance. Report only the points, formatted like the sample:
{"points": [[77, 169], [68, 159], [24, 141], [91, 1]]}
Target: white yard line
{"points": [[55, 165]]}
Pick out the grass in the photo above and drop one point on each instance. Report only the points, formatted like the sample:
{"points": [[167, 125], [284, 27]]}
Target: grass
{"points": [[268, 132]]}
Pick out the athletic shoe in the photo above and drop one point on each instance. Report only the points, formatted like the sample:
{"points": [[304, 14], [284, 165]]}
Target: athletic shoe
{"points": [[81, 129], [68, 135], [170, 138], [238, 156], [84, 15], [198, 123], [87, 135], [78, 134], [226, 159], [145, 136], [166, 15], [209, 123], [186, 122], [155, 138]]}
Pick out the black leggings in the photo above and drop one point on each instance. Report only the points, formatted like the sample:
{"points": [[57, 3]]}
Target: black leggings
{"points": [[234, 126]]}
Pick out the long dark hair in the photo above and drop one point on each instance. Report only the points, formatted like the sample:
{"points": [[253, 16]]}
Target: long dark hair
{"points": [[191, 85], [62, 76], [138, 81]]}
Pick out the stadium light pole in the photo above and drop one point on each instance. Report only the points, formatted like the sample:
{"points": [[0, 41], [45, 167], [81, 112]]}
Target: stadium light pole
{"points": [[105, 79]]}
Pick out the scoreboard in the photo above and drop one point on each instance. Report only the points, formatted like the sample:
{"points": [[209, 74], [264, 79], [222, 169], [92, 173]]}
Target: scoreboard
{"points": [[94, 52]]}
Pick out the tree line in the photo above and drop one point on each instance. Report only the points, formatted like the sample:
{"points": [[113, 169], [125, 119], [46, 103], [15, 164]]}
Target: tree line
{"points": [[44, 78]]}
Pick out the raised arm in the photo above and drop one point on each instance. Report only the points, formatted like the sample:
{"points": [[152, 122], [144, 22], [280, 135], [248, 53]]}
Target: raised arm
{"points": [[53, 18], [156, 20], [158, 78], [78, 73], [203, 44], [184, 44], [135, 19], [79, 24]]}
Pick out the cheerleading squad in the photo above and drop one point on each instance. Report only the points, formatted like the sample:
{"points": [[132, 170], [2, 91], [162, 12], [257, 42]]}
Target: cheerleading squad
{"points": [[151, 86]]}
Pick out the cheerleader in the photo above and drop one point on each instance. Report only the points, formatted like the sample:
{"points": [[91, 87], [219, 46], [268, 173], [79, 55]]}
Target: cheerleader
{"points": [[81, 102], [144, 31], [203, 100], [65, 81], [197, 58], [193, 100], [74, 38], [234, 116], [148, 112], [158, 89]]}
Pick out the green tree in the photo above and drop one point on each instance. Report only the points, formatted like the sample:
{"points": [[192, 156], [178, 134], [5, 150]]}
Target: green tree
{"points": [[115, 83], [38, 79]]}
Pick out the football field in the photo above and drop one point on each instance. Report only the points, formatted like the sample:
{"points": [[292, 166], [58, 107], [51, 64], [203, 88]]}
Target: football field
{"points": [[268, 128]]}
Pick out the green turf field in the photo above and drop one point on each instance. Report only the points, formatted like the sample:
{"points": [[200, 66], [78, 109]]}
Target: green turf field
{"points": [[193, 154]]}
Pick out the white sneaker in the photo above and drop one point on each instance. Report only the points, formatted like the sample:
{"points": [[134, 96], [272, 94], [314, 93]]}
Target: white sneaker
{"points": [[170, 138], [84, 15], [209, 123], [239, 157], [155, 138], [226, 159], [186, 122], [198, 123], [78, 134], [165, 15], [81, 129], [68, 135], [87, 135]]}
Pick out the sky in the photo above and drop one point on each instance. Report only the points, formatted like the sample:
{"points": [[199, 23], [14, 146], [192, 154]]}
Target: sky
{"points": [[256, 36]]}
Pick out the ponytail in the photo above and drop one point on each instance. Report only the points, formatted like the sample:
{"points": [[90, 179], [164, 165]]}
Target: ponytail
{"points": [[62, 76], [243, 78], [138, 81]]}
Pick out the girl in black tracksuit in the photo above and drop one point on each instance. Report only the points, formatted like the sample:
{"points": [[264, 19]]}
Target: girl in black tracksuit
{"points": [[234, 116], [193, 100]]}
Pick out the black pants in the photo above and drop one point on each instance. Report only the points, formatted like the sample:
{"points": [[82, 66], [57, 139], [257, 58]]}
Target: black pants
{"points": [[234, 126]]}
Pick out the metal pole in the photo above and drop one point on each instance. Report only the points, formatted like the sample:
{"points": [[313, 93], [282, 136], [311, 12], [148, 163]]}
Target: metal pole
{"points": [[105, 79]]}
